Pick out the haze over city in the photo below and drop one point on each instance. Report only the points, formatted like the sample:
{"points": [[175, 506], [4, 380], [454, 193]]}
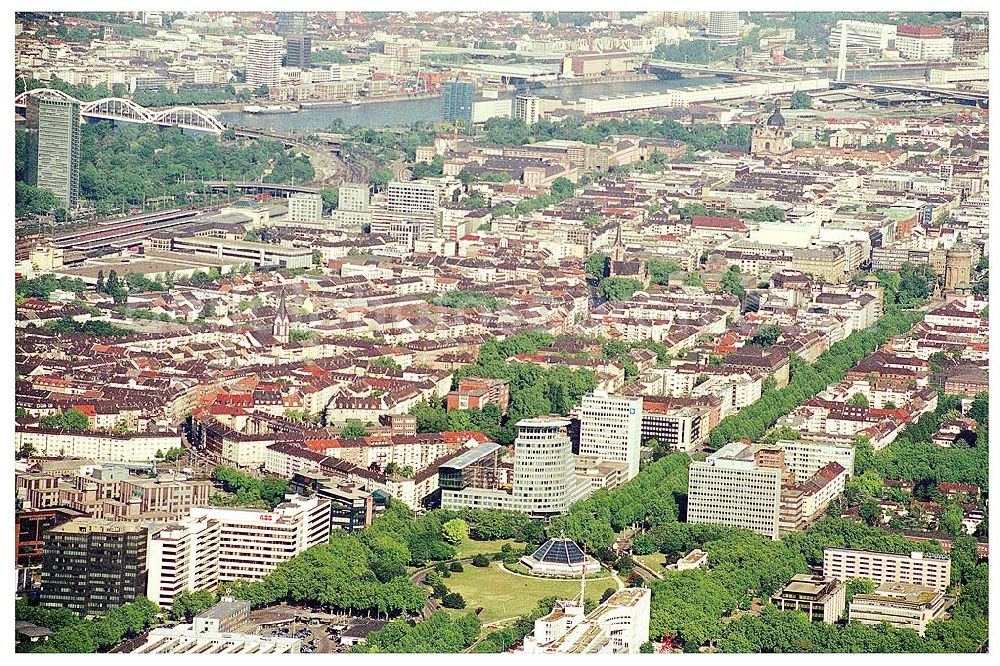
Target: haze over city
{"points": [[606, 332]]}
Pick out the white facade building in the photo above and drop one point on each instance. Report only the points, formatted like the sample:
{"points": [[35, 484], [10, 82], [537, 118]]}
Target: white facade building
{"points": [[104, 446], [253, 542], [611, 428], [305, 207], [804, 458], [545, 482], [620, 625], [528, 108], [263, 63], [729, 488], [931, 570], [183, 556], [413, 197]]}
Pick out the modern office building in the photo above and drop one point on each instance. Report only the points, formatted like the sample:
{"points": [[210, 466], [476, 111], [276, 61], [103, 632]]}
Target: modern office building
{"points": [[183, 555], [527, 108], [724, 27], [91, 566], [263, 63], [413, 197], [353, 206], [680, 428], [456, 102], [351, 508], [611, 428], [297, 50], [620, 625], [900, 605], [305, 207], [253, 542], [931, 570], [544, 481], [734, 487], [58, 160], [821, 599]]}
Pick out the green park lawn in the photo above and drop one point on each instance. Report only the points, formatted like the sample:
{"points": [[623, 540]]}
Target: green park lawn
{"points": [[654, 561], [470, 548], [505, 595]]}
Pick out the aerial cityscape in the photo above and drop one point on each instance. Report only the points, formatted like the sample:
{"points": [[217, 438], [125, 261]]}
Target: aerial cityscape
{"points": [[501, 332]]}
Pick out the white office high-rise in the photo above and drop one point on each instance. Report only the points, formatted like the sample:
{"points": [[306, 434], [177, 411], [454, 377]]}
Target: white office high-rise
{"points": [[264, 60], [611, 428]]}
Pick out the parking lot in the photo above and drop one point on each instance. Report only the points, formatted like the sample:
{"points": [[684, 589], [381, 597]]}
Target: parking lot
{"points": [[319, 632]]}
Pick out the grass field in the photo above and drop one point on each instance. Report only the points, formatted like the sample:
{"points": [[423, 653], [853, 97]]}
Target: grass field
{"points": [[654, 561], [470, 548], [503, 595]]}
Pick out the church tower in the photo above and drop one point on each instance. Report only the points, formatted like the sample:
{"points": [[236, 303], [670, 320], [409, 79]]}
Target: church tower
{"points": [[280, 328], [771, 137]]}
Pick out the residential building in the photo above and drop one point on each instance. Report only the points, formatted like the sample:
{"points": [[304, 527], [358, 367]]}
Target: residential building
{"points": [[253, 542], [821, 599], [91, 566], [263, 60], [58, 159], [527, 108], [305, 207], [620, 625], [611, 428], [477, 392], [456, 102], [901, 605], [413, 197], [931, 570], [183, 555], [731, 488], [803, 458]]}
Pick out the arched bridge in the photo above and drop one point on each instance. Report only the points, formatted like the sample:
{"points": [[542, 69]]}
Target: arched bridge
{"points": [[116, 109]]}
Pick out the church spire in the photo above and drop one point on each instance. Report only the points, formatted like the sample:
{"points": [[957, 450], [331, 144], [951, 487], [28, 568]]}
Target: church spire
{"points": [[280, 328]]}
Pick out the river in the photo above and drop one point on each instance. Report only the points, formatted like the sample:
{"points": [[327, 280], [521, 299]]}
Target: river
{"points": [[403, 112]]}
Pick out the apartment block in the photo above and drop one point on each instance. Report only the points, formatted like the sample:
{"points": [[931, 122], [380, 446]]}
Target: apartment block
{"points": [[611, 428], [305, 207], [804, 458], [477, 392], [931, 570]]}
